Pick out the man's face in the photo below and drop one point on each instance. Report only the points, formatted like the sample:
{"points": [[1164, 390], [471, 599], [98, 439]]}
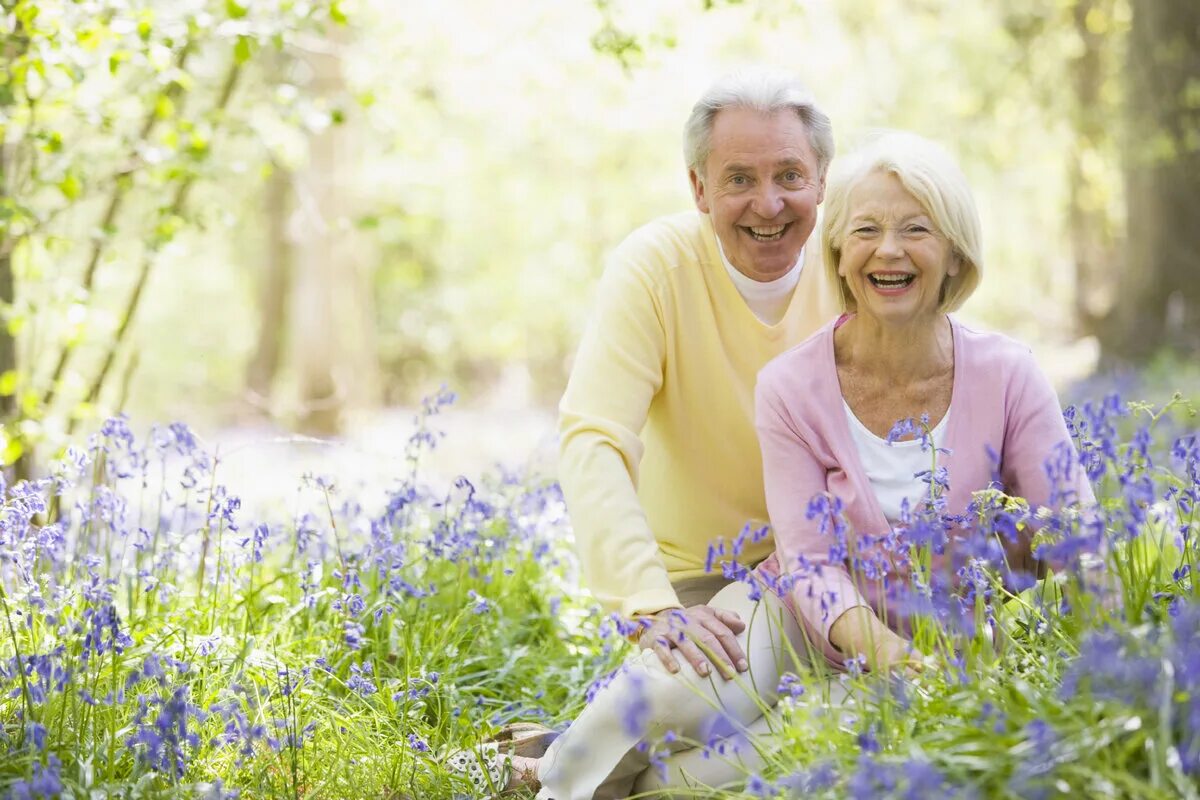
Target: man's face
{"points": [[761, 188]]}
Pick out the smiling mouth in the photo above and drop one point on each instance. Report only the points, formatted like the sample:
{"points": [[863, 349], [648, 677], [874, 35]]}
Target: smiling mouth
{"points": [[766, 233], [892, 281]]}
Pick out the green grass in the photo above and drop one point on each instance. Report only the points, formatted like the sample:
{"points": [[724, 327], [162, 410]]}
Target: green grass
{"points": [[369, 642]]}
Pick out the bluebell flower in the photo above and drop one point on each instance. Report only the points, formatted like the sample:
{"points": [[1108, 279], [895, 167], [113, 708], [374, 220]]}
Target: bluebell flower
{"points": [[360, 681], [803, 783], [722, 734], [46, 781], [480, 604], [790, 685]]}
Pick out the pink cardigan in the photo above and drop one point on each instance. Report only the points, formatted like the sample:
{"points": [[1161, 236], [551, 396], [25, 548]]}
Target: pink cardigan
{"points": [[999, 397]]}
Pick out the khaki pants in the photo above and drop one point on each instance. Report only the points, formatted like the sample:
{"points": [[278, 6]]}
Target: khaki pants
{"points": [[597, 758]]}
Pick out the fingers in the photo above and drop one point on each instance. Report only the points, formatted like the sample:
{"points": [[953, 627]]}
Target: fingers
{"points": [[706, 638], [726, 646], [731, 619], [695, 656], [663, 651]]}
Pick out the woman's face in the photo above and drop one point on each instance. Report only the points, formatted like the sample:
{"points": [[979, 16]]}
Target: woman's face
{"points": [[893, 258]]}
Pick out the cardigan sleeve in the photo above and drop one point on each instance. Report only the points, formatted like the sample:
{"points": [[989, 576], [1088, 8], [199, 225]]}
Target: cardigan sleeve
{"points": [[1039, 460], [617, 372], [793, 475], [1040, 463]]}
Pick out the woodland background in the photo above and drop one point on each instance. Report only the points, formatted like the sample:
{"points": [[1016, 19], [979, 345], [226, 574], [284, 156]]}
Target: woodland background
{"points": [[299, 212]]}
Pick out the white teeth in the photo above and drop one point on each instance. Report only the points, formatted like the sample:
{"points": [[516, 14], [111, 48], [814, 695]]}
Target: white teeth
{"points": [[891, 281], [767, 233]]}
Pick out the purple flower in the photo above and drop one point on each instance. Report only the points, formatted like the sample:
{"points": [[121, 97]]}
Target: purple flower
{"points": [[46, 781], [480, 604], [790, 685], [634, 705]]}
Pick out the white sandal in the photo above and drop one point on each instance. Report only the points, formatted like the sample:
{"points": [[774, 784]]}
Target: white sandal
{"points": [[489, 767]]}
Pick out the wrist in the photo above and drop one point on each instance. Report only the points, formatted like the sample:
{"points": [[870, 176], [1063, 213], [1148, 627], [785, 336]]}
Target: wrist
{"points": [[858, 631], [641, 620]]}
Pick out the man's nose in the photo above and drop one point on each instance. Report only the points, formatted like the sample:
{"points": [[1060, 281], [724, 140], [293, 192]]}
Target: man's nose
{"points": [[768, 201]]}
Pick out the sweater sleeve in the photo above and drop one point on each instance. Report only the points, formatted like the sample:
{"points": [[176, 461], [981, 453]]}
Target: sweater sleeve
{"points": [[617, 372], [823, 590]]}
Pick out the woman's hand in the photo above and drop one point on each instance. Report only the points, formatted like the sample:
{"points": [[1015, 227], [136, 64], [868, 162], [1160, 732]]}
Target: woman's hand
{"points": [[893, 651], [694, 632], [860, 632]]}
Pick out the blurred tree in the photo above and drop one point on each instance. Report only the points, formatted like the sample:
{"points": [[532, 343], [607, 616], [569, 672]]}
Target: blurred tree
{"points": [[109, 115], [1159, 285], [1093, 100], [276, 277]]}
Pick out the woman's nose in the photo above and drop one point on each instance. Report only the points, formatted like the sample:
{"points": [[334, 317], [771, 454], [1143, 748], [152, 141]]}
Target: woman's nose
{"points": [[889, 245]]}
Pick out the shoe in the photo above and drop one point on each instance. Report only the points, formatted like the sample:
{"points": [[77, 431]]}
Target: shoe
{"points": [[488, 767]]}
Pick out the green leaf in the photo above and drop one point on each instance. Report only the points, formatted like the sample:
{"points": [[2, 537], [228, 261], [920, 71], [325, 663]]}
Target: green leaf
{"points": [[198, 145], [235, 10], [145, 26], [13, 449], [336, 13], [8, 383], [243, 49], [70, 186], [115, 60], [53, 143], [163, 107]]}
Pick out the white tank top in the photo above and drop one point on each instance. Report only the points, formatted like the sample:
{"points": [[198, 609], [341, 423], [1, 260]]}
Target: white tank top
{"points": [[890, 467]]}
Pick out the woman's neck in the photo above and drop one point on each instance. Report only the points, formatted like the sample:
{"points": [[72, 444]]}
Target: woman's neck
{"points": [[920, 349]]}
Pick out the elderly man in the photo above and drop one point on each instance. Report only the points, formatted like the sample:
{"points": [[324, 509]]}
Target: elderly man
{"points": [[659, 457]]}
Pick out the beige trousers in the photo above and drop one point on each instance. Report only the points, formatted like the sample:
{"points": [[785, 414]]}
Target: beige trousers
{"points": [[598, 757]]}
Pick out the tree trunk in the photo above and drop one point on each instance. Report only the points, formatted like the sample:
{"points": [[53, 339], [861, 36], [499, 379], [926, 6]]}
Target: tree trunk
{"points": [[1159, 286], [1092, 242], [277, 279], [8, 344], [319, 257]]}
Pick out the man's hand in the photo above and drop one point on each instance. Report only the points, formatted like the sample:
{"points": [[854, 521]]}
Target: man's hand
{"points": [[694, 631]]}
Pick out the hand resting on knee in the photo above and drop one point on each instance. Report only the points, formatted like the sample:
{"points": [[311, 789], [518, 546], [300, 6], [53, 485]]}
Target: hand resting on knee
{"points": [[702, 634]]}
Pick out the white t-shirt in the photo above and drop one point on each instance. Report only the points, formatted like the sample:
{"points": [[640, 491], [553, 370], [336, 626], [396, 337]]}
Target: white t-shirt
{"points": [[890, 467], [770, 300]]}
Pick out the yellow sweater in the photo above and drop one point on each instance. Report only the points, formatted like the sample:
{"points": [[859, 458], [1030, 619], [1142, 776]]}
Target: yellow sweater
{"points": [[658, 452]]}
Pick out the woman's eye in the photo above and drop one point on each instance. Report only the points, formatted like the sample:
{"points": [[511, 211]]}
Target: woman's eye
{"points": [[865, 230], [917, 229]]}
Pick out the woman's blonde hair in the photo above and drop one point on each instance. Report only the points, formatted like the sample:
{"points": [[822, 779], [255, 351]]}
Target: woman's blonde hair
{"points": [[930, 175]]}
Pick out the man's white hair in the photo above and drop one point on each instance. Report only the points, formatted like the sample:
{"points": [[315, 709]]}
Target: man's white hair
{"points": [[764, 90]]}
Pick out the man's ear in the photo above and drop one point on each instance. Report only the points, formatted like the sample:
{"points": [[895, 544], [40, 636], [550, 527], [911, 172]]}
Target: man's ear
{"points": [[698, 191], [821, 191]]}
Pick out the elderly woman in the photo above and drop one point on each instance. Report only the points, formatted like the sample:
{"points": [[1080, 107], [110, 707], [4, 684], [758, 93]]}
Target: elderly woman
{"points": [[901, 238]]}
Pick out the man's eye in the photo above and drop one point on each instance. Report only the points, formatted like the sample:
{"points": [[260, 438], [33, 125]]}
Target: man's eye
{"points": [[791, 176], [739, 180]]}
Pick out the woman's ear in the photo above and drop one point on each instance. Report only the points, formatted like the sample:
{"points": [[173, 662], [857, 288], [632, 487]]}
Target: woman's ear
{"points": [[954, 266]]}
